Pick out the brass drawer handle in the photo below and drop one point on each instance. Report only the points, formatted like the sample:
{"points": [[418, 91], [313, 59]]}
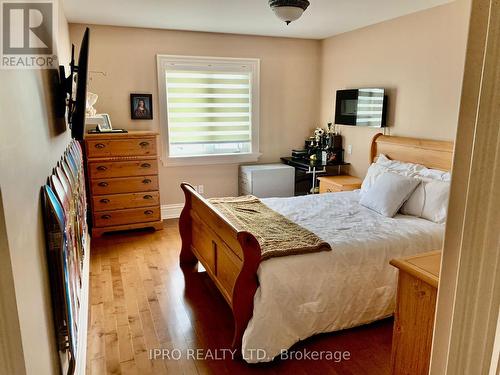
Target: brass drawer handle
{"points": [[148, 197], [106, 217], [144, 144], [148, 212], [100, 145], [102, 168], [146, 181], [145, 165], [103, 184], [105, 201]]}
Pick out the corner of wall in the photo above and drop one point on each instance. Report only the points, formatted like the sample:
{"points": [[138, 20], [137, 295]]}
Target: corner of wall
{"points": [[423, 78]]}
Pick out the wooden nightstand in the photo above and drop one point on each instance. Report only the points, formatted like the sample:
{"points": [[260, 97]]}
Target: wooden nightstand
{"points": [[414, 317], [331, 184]]}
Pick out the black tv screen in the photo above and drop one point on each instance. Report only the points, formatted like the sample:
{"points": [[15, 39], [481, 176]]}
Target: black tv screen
{"points": [[361, 107], [77, 120]]}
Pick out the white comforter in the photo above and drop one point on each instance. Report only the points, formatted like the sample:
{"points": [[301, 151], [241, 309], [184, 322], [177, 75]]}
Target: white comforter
{"points": [[353, 284]]}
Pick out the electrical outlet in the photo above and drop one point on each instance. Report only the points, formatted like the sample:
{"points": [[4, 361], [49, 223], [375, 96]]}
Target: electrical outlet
{"points": [[201, 189], [349, 149]]}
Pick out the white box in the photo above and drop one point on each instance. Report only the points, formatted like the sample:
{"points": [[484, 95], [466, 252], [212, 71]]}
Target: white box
{"points": [[267, 180]]}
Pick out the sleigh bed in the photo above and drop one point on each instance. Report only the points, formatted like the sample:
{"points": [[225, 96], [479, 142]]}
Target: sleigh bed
{"points": [[232, 258]]}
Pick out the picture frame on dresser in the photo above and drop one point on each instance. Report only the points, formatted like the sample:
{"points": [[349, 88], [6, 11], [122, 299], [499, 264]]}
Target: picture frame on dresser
{"points": [[122, 172], [105, 125]]}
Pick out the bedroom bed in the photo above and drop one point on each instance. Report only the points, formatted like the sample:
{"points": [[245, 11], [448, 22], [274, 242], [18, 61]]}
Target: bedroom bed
{"points": [[280, 301]]}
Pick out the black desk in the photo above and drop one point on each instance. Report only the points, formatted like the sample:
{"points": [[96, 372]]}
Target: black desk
{"points": [[306, 172]]}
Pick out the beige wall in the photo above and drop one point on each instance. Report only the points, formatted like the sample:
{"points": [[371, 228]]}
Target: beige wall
{"points": [[31, 142], [289, 91], [419, 58]]}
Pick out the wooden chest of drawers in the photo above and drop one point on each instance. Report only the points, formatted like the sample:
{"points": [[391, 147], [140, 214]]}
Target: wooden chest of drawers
{"points": [[123, 181]]}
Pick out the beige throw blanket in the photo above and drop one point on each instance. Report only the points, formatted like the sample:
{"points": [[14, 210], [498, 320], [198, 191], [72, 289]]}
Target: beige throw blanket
{"points": [[277, 235]]}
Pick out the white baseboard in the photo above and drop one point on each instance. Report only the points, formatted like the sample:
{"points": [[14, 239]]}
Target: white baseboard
{"points": [[171, 211]]}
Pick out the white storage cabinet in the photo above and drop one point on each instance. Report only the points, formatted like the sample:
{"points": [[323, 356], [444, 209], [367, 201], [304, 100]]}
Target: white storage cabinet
{"points": [[267, 180]]}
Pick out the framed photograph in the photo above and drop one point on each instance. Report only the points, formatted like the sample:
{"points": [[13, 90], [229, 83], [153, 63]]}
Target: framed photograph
{"points": [[141, 106], [104, 124]]}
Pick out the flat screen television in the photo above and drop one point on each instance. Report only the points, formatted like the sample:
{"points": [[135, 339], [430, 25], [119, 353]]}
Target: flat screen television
{"points": [[74, 88], [361, 107], [78, 117]]}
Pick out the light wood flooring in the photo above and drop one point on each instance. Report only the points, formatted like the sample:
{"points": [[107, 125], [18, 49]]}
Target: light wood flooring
{"points": [[140, 299]]}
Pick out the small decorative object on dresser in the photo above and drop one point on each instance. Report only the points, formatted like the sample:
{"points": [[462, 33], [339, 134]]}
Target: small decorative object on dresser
{"points": [[123, 180], [106, 123], [414, 317], [332, 184], [141, 106]]}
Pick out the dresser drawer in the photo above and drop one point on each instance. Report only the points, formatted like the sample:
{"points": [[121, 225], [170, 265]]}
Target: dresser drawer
{"points": [[329, 188], [121, 147], [129, 216], [122, 201], [124, 185], [123, 168]]}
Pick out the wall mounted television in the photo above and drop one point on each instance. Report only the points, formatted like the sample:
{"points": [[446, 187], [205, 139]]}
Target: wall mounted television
{"points": [[361, 107], [72, 90]]}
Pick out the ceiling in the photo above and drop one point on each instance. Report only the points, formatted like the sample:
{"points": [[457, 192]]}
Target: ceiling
{"points": [[324, 18]]}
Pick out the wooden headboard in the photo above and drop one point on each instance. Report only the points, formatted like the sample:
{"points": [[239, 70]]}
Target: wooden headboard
{"points": [[432, 154]]}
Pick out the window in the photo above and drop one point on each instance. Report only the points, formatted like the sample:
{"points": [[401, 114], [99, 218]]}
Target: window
{"points": [[209, 109]]}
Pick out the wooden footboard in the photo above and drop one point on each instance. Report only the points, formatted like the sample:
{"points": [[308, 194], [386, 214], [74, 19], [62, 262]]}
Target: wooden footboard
{"points": [[230, 257]]}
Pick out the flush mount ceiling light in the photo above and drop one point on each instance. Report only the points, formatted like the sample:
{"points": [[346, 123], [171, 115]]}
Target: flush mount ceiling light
{"points": [[288, 10]]}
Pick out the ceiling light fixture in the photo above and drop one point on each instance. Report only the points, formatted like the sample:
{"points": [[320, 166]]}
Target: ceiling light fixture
{"points": [[288, 10]]}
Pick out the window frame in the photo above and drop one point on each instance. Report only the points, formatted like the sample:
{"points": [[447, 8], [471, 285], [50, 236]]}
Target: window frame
{"points": [[232, 64]]}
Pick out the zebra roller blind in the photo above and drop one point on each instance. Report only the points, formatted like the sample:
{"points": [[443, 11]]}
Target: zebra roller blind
{"points": [[209, 112], [370, 107]]}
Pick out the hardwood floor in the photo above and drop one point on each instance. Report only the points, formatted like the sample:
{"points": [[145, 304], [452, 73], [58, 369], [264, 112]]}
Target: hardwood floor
{"points": [[140, 299]]}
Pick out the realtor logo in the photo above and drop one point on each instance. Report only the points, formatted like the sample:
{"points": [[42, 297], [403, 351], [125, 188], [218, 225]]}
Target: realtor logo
{"points": [[28, 35]]}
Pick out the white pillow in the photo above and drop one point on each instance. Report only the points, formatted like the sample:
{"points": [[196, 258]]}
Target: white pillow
{"points": [[429, 201], [388, 193], [400, 167], [435, 174], [372, 174]]}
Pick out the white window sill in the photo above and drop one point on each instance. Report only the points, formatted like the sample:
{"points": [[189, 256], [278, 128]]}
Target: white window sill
{"points": [[210, 160]]}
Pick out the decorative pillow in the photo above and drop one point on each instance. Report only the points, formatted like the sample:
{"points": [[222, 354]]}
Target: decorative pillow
{"points": [[388, 193], [429, 201], [372, 174], [399, 167]]}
